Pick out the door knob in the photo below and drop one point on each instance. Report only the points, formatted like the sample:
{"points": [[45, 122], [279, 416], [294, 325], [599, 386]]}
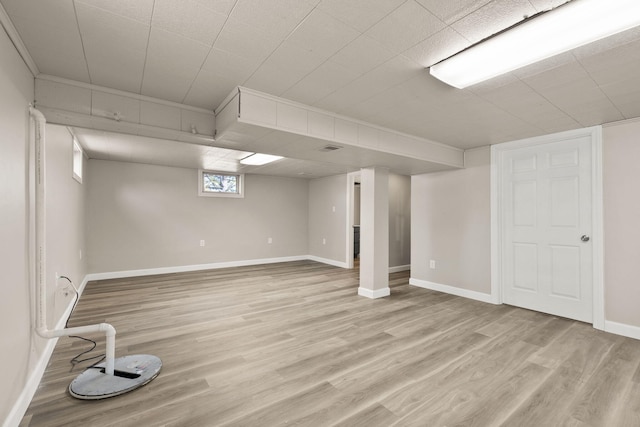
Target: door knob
{"points": [[585, 238]]}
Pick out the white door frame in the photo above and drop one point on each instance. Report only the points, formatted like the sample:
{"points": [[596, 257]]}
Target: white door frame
{"points": [[497, 206]]}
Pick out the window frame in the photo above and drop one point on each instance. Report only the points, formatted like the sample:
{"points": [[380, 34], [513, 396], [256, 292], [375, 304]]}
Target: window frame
{"points": [[239, 185], [77, 158]]}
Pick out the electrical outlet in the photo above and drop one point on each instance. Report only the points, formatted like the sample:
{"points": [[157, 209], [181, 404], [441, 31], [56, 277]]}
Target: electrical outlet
{"points": [[432, 264], [269, 240], [201, 242], [333, 208], [80, 253], [324, 241]]}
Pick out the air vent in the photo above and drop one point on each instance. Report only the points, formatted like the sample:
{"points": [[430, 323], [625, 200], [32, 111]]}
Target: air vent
{"points": [[330, 148]]}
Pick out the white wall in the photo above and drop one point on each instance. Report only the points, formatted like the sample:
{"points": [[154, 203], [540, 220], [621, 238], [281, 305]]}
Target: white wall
{"points": [[621, 174], [328, 223], [144, 217], [16, 89], [23, 354], [65, 220], [451, 224]]}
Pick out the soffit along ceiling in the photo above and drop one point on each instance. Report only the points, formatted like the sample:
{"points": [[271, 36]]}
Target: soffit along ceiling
{"points": [[364, 59]]}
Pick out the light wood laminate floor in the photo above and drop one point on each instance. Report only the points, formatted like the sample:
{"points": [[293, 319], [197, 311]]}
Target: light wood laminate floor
{"points": [[293, 344]]}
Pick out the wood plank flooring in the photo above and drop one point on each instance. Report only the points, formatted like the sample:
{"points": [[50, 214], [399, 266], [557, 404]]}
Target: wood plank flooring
{"points": [[292, 344]]}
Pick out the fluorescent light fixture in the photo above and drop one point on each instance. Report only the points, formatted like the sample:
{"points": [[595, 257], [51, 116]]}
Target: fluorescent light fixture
{"points": [[258, 159], [567, 27]]}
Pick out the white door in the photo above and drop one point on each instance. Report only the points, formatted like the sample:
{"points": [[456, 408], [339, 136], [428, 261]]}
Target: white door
{"points": [[547, 248]]}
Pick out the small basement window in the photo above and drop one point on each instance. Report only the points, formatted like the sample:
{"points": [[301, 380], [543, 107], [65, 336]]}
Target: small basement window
{"points": [[77, 161], [220, 184]]}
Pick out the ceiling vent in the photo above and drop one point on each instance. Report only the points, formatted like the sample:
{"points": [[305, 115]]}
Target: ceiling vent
{"points": [[330, 148]]}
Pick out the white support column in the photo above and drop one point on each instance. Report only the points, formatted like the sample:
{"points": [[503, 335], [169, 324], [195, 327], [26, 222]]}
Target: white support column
{"points": [[374, 233]]}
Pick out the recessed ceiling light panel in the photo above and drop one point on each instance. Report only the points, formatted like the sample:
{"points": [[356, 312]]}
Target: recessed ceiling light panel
{"points": [[259, 159]]}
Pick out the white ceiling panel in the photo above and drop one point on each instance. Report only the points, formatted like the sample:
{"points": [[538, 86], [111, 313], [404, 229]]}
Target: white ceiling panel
{"points": [[359, 14], [140, 10], [362, 55], [172, 64], [361, 58], [250, 42], [101, 30], [322, 34], [275, 18], [188, 18], [324, 80], [405, 27], [492, 18], [209, 89], [227, 64], [453, 10], [437, 47], [51, 33]]}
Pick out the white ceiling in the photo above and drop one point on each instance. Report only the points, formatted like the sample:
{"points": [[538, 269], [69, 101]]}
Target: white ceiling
{"points": [[361, 58]]}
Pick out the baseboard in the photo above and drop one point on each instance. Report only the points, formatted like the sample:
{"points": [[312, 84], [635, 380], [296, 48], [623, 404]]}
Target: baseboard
{"points": [[373, 294], [399, 268], [194, 267], [29, 390], [622, 329], [466, 293], [327, 261]]}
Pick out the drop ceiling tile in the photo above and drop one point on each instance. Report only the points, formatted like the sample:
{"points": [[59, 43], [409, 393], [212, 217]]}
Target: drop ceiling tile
{"points": [[542, 5], [549, 64], [60, 64], [321, 82], [209, 90], [391, 73], [221, 6], [277, 18], [114, 46], [162, 84], [557, 77], [247, 41], [170, 51], [620, 63], [140, 10], [595, 112], [284, 68], [55, 46], [188, 18], [359, 14], [322, 34], [42, 13], [609, 44], [437, 47], [405, 27], [492, 18], [452, 10], [225, 64], [173, 62], [362, 55]]}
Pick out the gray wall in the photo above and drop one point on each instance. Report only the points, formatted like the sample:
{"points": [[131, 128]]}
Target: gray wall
{"points": [[451, 224], [621, 152], [143, 216], [399, 220], [324, 223]]}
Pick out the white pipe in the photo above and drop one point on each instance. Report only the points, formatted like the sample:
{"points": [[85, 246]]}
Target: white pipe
{"points": [[41, 256]]}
